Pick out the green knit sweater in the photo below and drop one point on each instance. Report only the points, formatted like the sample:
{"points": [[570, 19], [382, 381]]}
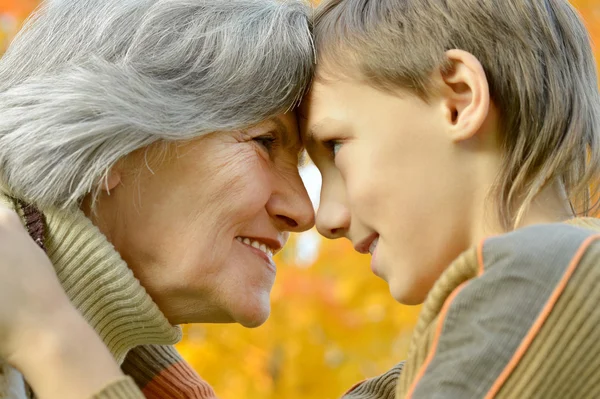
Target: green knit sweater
{"points": [[105, 291]]}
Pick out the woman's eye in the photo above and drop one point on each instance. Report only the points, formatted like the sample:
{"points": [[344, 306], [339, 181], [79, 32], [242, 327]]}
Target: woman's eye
{"points": [[266, 142]]}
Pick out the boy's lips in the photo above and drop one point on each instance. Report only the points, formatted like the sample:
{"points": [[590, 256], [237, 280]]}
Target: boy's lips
{"points": [[366, 246], [373, 245]]}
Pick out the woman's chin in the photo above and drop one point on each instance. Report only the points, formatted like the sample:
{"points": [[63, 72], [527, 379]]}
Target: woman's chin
{"points": [[247, 317], [253, 314], [255, 322], [250, 311]]}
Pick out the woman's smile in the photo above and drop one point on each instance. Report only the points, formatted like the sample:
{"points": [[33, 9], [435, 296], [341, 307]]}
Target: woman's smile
{"points": [[261, 249]]}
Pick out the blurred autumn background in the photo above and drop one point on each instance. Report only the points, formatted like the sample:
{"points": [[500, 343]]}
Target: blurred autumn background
{"points": [[332, 324]]}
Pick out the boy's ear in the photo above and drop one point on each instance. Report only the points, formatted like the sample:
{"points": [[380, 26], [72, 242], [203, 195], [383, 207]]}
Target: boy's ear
{"points": [[466, 95]]}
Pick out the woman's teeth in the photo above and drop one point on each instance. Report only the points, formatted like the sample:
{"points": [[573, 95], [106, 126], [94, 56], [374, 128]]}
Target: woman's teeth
{"points": [[256, 244], [373, 246]]}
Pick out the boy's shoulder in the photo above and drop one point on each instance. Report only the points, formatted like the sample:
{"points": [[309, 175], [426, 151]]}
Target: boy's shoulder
{"points": [[542, 250], [519, 305]]}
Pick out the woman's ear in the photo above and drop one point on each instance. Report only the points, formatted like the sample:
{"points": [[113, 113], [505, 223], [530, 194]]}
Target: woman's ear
{"points": [[466, 95], [111, 180]]}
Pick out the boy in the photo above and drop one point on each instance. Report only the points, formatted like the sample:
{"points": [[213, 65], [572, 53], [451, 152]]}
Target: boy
{"points": [[457, 140]]}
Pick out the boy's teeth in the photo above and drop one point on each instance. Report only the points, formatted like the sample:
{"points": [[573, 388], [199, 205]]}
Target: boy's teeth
{"points": [[373, 245], [257, 245]]}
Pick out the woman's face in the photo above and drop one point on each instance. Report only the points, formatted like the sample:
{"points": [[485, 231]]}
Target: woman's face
{"points": [[199, 222]]}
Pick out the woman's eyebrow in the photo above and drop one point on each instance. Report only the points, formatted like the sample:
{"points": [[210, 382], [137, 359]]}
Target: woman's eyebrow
{"points": [[283, 131], [287, 139], [286, 142]]}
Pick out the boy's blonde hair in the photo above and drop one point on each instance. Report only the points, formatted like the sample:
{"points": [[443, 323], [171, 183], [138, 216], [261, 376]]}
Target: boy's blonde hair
{"points": [[538, 61]]}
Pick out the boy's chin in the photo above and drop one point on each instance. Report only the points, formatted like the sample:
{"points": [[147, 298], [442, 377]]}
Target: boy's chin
{"points": [[407, 293]]}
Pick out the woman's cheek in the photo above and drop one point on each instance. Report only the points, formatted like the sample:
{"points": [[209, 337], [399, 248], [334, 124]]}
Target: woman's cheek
{"points": [[250, 189]]}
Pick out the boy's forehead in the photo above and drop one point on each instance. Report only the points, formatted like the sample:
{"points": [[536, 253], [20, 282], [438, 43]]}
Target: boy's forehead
{"points": [[307, 107], [317, 101], [308, 131], [304, 128], [320, 109]]}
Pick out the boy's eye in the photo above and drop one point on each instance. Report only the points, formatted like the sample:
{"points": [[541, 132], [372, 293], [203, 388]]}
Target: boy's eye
{"points": [[267, 142], [334, 147]]}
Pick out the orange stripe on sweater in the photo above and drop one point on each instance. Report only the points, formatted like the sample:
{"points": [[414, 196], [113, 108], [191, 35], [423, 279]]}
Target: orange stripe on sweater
{"points": [[436, 339], [520, 352], [355, 386], [480, 257], [178, 381], [440, 325]]}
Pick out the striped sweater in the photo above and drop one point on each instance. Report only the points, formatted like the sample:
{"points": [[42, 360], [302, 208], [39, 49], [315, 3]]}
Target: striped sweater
{"points": [[111, 299], [515, 317]]}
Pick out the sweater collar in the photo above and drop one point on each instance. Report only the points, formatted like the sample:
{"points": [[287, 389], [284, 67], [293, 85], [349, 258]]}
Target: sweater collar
{"points": [[590, 223], [100, 284]]}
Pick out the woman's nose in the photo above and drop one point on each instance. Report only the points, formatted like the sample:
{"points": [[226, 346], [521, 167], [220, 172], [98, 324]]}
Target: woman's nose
{"points": [[290, 205]]}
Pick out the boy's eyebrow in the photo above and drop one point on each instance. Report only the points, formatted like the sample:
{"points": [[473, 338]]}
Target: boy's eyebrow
{"points": [[313, 131]]}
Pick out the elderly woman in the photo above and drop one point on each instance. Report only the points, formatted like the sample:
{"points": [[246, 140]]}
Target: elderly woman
{"points": [[148, 148]]}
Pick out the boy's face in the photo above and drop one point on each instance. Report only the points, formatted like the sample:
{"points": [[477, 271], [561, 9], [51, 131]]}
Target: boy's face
{"points": [[394, 181]]}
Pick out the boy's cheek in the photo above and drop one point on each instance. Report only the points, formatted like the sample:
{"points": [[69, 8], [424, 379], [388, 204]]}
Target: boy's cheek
{"points": [[359, 189]]}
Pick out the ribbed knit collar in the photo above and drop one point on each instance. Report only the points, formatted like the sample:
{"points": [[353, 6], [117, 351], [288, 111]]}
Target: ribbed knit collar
{"points": [[591, 223], [101, 285]]}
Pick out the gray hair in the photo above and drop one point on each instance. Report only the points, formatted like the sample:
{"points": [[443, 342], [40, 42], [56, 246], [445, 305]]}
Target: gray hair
{"points": [[87, 82]]}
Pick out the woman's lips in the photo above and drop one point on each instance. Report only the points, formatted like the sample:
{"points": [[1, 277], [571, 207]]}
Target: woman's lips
{"points": [[261, 250]]}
